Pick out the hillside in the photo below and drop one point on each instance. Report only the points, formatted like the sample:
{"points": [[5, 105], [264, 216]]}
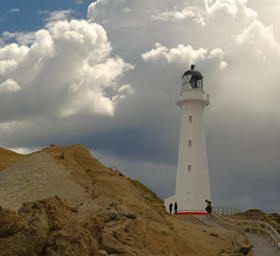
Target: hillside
{"points": [[8, 157], [61, 201], [255, 214]]}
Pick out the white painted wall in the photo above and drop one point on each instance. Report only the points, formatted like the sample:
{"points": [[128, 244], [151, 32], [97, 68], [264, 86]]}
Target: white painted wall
{"points": [[192, 186]]}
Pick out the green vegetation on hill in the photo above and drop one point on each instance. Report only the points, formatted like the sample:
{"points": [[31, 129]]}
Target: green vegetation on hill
{"points": [[152, 195]]}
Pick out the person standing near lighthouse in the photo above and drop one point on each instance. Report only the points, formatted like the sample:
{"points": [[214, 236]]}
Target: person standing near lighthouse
{"points": [[176, 208], [192, 184]]}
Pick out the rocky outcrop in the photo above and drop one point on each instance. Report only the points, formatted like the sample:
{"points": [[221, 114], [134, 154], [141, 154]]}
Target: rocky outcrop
{"points": [[48, 228], [98, 212]]}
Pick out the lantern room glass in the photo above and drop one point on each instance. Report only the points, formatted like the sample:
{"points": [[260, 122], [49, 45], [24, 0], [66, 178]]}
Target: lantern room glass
{"points": [[192, 79]]}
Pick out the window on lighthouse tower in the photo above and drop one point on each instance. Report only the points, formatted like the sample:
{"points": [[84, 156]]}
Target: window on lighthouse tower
{"points": [[189, 167], [190, 119], [190, 143]]}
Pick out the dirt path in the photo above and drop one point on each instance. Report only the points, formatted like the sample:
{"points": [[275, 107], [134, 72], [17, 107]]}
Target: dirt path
{"points": [[261, 246]]}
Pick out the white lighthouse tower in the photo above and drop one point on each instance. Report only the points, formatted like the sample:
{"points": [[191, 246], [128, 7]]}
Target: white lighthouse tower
{"points": [[192, 185]]}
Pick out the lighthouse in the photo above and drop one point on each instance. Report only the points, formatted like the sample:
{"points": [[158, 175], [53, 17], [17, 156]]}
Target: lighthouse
{"points": [[192, 182]]}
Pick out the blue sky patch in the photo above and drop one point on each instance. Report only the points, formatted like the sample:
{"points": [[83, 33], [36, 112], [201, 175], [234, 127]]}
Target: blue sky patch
{"points": [[27, 16]]}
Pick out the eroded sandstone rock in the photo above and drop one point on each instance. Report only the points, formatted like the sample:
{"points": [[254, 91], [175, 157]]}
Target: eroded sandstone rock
{"points": [[48, 228]]}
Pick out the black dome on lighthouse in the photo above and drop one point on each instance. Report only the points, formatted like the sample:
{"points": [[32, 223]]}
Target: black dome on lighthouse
{"points": [[193, 73]]}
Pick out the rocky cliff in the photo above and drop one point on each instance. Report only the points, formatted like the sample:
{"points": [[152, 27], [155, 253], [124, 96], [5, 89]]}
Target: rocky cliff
{"points": [[61, 201]]}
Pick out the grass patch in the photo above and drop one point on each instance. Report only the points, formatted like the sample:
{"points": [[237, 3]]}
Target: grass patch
{"points": [[152, 196]]}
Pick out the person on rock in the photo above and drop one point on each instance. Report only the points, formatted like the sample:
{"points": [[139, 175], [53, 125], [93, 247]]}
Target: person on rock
{"points": [[176, 208], [208, 207], [170, 208]]}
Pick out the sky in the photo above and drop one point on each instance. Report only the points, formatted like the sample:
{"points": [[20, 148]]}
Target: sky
{"points": [[106, 74]]}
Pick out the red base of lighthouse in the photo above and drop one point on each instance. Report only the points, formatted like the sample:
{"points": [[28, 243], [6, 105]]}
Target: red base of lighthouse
{"points": [[192, 213]]}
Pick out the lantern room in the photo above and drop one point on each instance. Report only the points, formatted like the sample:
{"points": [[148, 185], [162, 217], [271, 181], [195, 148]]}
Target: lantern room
{"points": [[192, 79]]}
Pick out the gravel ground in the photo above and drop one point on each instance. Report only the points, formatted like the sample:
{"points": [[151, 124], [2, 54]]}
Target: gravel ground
{"points": [[28, 181]]}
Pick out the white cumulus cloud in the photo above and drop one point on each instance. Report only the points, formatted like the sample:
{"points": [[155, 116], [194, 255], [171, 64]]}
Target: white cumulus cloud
{"points": [[182, 54], [57, 15], [15, 10], [9, 85], [63, 72], [179, 15], [20, 37], [261, 37]]}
